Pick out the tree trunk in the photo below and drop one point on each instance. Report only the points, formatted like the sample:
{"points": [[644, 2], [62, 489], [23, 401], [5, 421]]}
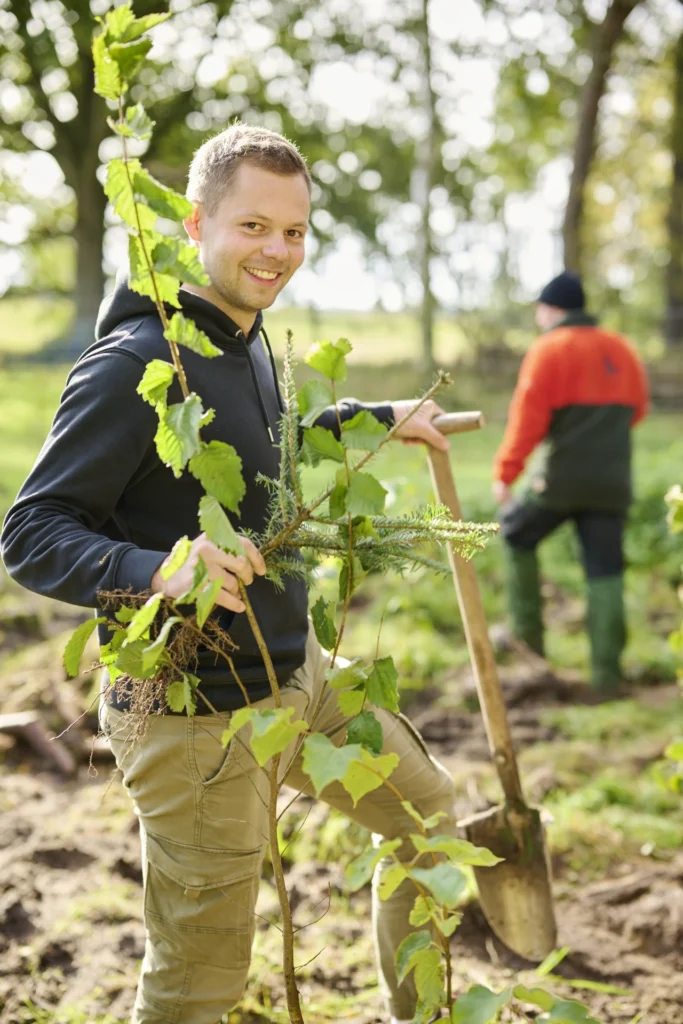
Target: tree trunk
{"points": [[605, 37], [426, 155], [673, 324], [89, 237]]}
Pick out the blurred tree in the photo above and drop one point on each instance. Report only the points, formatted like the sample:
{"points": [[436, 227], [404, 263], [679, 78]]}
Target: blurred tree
{"points": [[673, 324], [604, 38]]}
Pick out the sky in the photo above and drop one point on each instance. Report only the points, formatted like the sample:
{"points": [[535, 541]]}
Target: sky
{"points": [[345, 279]]}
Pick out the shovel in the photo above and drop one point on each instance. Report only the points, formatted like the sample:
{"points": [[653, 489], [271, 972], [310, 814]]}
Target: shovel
{"points": [[515, 895]]}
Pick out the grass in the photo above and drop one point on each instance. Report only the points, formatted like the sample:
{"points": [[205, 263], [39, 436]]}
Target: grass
{"points": [[604, 805]]}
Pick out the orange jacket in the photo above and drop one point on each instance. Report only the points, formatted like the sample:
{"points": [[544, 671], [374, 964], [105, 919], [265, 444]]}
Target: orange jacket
{"points": [[584, 368]]}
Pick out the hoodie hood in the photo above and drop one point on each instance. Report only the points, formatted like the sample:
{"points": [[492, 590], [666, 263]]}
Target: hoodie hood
{"points": [[124, 305]]}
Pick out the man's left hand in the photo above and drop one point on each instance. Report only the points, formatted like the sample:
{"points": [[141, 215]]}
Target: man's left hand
{"points": [[419, 429]]}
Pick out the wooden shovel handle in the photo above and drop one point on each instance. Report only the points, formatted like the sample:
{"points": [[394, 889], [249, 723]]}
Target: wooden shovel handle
{"points": [[458, 422], [476, 631]]}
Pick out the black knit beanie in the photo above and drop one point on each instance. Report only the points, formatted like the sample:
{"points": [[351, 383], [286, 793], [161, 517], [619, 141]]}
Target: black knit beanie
{"points": [[564, 292]]}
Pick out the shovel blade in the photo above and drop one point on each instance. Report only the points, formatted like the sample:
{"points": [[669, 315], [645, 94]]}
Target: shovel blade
{"points": [[515, 895]]}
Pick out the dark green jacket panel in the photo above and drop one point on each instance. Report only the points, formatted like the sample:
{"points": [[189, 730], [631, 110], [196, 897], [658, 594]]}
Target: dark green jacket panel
{"points": [[586, 460]]}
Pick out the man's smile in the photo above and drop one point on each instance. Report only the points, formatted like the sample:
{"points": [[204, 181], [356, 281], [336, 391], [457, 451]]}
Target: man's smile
{"points": [[263, 276]]}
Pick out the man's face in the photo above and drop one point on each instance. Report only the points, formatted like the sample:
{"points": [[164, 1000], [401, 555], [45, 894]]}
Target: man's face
{"points": [[548, 316], [254, 242]]}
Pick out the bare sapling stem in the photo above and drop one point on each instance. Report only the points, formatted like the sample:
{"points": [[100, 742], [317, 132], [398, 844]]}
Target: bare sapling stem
{"points": [[293, 1002]]}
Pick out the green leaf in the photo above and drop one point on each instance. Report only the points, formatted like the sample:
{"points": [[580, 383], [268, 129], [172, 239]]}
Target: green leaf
{"points": [[423, 911], [218, 468], [124, 615], [429, 973], [367, 773], [364, 527], [381, 686], [156, 381], [217, 527], [143, 618], [567, 1011], [130, 57], [449, 924], [364, 431], [163, 200], [458, 851], [179, 555], [124, 29], [445, 882], [551, 961], [535, 996], [119, 191], [346, 674], [357, 578], [414, 943], [200, 576], [320, 443], [425, 823], [360, 870], [366, 730], [237, 720], [132, 661], [151, 655], [205, 600], [337, 499], [479, 1006], [108, 81], [185, 332], [137, 124], [177, 437], [164, 285], [324, 763], [179, 259], [73, 652], [390, 880], [350, 702], [313, 398], [675, 751], [322, 614], [365, 496], [674, 499], [180, 694], [329, 358], [117, 22], [272, 731]]}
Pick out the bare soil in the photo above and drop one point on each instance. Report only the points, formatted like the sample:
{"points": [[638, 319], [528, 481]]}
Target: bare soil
{"points": [[71, 931]]}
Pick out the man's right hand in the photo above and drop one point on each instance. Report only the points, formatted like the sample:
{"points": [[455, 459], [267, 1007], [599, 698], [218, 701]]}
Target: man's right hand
{"points": [[229, 569]]}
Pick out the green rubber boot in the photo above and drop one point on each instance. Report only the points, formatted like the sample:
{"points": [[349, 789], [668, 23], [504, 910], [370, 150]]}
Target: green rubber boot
{"points": [[606, 631], [524, 597]]}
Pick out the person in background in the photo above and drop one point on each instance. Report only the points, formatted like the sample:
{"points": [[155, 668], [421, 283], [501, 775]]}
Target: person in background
{"points": [[581, 389]]}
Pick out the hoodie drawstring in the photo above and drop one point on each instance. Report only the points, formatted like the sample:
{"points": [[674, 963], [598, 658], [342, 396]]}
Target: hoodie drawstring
{"points": [[274, 369], [262, 404]]}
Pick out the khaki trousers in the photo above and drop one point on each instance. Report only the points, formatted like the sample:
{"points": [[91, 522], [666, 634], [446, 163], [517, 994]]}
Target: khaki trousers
{"points": [[204, 826]]}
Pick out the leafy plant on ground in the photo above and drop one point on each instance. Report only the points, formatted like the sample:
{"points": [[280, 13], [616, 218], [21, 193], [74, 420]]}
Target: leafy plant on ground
{"points": [[674, 751], [152, 636]]}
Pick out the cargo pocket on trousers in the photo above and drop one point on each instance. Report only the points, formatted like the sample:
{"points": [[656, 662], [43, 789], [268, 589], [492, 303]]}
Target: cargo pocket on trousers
{"points": [[200, 903]]}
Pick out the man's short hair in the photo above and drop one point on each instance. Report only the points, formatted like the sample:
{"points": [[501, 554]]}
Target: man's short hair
{"points": [[217, 161]]}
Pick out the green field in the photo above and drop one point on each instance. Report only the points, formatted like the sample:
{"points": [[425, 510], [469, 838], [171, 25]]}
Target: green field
{"points": [[596, 770]]}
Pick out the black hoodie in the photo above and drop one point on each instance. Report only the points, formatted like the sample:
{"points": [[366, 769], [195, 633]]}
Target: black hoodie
{"points": [[99, 511]]}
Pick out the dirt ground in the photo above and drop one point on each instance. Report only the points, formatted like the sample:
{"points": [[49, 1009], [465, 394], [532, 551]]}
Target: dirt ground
{"points": [[71, 932]]}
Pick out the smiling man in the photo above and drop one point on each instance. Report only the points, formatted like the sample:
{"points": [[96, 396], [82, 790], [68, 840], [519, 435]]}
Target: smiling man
{"points": [[100, 512]]}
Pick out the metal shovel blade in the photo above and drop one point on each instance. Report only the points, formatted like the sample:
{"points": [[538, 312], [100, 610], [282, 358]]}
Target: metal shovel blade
{"points": [[515, 895]]}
